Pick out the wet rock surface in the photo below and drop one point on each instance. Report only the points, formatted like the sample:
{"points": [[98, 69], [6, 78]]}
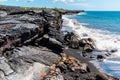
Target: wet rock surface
{"points": [[70, 68], [31, 47]]}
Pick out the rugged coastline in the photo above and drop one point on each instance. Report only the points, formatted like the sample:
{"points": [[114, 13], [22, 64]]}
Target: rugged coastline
{"points": [[32, 47], [72, 12]]}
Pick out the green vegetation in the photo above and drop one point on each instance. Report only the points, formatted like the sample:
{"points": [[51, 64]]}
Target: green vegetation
{"points": [[58, 9]]}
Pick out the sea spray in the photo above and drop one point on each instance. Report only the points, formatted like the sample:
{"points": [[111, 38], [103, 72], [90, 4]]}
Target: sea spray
{"points": [[104, 39]]}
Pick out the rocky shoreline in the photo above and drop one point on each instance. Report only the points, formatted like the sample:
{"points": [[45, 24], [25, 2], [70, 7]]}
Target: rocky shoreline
{"points": [[72, 12], [32, 47]]}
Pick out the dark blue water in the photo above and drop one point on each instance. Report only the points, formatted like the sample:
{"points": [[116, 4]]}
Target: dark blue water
{"points": [[103, 20]]}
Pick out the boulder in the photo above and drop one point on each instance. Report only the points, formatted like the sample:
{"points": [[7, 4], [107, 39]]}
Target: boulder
{"points": [[51, 43], [5, 67], [100, 57], [87, 48], [70, 64], [87, 44], [114, 50], [72, 40], [84, 68]]}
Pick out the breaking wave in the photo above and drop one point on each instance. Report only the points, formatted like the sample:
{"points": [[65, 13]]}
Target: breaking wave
{"points": [[104, 40]]}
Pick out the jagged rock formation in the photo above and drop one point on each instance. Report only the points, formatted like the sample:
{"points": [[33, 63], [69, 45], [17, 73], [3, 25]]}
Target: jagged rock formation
{"points": [[31, 43], [70, 68], [28, 27], [18, 30]]}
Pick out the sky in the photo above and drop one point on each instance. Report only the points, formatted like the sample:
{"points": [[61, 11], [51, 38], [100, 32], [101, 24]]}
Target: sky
{"points": [[88, 5]]}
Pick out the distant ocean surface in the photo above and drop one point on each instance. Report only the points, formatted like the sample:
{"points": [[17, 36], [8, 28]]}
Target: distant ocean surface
{"points": [[104, 28], [103, 20]]}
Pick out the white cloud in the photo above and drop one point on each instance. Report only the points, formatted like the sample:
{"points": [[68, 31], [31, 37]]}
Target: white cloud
{"points": [[76, 3], [30, 0], [27, 0], [3, 0], [64, 0], [85, 5], [69, 1], [81, 4], [17, 0]]}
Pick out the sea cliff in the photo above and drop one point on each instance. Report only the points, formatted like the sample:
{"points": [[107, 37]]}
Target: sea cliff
{"points": [[33, 47]]}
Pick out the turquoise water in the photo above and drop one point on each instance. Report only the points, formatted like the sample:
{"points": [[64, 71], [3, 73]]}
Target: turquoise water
{"points": [[103, 20], [108, 22]]}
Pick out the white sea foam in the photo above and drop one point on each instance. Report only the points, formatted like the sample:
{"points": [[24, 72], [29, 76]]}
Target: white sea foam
{"points": [[112, 61], [112, 67], [82, 13], [104, 40]]}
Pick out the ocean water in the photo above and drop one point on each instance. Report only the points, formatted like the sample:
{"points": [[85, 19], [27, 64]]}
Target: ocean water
{"points": [[102, 20], [104, 28]]}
